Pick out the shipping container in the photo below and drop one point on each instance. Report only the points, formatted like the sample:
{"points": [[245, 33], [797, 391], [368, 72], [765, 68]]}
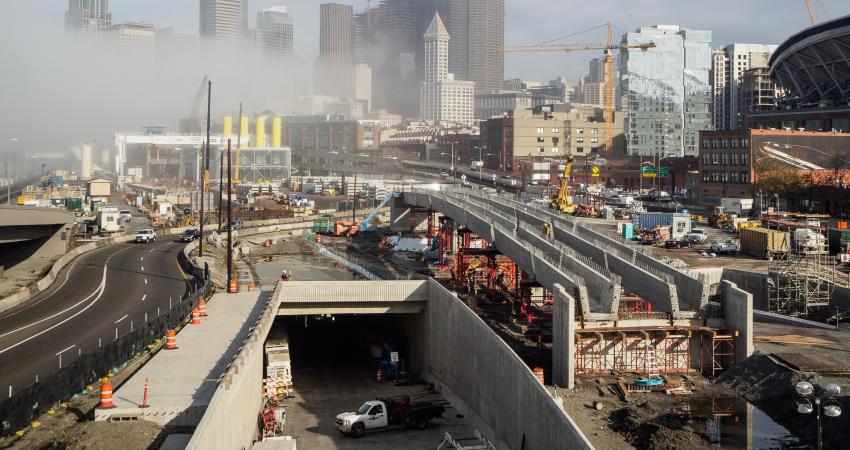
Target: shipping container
{"points": [[837, 238], [646, 220], [59, 201], [74, 203], [759, 241], [324, 226]]}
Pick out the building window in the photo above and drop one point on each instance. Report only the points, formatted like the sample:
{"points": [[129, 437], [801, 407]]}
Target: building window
{"points": [[706, 143], [723, 177], [541, 139], [594, 140], [724, 159], [734, 159], [594, 131], [556, 130], [733, 177], [580, 140], [745, 177], [580, 150], [745, 143], [714, 158], [540, 130], [706, 159], [706, 175], [554, 149], [579, 130], [745, 159]]}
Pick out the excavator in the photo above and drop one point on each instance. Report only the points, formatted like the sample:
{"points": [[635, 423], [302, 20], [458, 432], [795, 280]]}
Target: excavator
{"points": [[562, 201]]}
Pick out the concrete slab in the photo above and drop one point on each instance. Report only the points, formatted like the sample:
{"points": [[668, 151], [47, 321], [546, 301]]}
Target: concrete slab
{"points": [[182, 382], [175, 442]]}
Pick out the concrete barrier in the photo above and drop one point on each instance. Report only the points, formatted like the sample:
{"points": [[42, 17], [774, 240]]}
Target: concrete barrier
{"points": [[738, 314], [479, 373]]}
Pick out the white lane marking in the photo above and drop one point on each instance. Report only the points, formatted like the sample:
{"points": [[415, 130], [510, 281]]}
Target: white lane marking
{"points": [[144, 297], [143, 268], [102, 288], [146, 281], [142, 258], [119, 320], [63, 351]]}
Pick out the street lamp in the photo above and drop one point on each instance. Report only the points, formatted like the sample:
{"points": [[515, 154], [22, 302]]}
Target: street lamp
{"points": [[8, 177], [824, 402]]}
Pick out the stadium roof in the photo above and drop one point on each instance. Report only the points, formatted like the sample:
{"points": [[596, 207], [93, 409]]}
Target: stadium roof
{"points": [[814, 64]]}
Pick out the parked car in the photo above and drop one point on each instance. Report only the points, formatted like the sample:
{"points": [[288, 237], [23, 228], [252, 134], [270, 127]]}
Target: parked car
{"points": [[125, 215], [677, 243], [726, 247], [146, 236], [697, 236], [236, 224], [189, 235]]}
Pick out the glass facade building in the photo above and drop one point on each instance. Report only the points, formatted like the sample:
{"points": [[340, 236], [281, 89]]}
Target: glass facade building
{"points": [[666, 91]]}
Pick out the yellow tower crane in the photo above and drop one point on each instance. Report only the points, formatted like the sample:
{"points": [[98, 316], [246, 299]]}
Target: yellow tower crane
{"points": [[608, 76]]}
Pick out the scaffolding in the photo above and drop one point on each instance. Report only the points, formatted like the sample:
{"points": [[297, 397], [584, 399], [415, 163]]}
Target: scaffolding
{"points": [[802, 278], [621, 350], [716, 352]]}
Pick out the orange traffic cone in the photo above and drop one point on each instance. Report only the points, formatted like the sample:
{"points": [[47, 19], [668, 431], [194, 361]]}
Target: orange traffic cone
{"points": [[202, 306], [196, 316]]}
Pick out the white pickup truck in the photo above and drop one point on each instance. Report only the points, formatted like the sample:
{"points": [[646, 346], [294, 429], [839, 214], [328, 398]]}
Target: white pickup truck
{"points": [[382, 413]]}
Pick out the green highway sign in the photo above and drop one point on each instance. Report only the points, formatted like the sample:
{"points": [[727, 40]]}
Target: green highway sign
{"points": [[665, 171], [647, 169]]}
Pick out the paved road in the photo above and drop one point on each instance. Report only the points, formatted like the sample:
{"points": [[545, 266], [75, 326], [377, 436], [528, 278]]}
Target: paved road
{"points": [[102, 291]]}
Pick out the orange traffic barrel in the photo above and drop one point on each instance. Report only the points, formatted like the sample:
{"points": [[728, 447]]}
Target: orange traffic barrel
{"points": [[318, 239], [196, 316], [538, 372], [202, 306], [170, 340], [232, 287], [250, 286], [842, 225], [268, 242], [379, 376], [106, 395]]}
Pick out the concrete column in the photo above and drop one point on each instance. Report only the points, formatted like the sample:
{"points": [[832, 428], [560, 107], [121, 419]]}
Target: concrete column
{"points": [[563, 339], [738, 314]]}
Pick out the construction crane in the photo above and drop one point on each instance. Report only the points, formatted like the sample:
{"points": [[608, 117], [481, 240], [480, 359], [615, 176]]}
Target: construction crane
{"points": [[811, 7], [192, 122], [608, 76], [563, 201]]}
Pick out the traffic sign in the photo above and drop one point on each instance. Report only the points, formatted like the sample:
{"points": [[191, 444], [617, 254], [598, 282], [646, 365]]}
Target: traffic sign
{"points": [[595, 171], [394, 357], [665, 171], [647, 169], [648, 174]]}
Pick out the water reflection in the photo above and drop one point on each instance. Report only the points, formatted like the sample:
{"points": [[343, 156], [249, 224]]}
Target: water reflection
{"points": [[731, 422]]}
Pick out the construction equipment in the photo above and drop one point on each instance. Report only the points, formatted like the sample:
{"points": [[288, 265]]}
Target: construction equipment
{"points": [[811, 7], [608, 76], [192, 122], [368, 223], [562, 201]]}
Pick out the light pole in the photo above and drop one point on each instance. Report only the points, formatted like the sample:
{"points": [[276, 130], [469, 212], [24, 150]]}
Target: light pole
{"points": [[8, 177], [824, 402]]}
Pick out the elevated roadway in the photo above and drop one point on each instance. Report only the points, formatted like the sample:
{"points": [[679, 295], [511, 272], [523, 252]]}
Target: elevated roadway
{"points": [[102, 293]]}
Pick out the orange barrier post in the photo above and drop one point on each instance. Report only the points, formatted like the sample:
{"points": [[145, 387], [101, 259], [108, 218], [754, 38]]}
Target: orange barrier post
{"points": [[538, 372], [250, 287], [232, 287], [106, 395], [196, 316], [202, 306], [318, 239], [170, 340]]}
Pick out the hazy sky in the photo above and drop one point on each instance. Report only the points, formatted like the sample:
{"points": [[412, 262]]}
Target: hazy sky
{"points": [[57, 94], [527, 22]]}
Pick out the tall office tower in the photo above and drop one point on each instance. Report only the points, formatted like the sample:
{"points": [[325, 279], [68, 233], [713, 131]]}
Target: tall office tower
{"points": [[444, 99], [666, 91], [221, 25], [477, 28], [729, 65], [719, 114], [135, 38], [275, 32], [334, 75], [89, 16]]}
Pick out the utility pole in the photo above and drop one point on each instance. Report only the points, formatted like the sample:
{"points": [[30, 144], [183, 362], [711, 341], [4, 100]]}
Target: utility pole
{"points": [[206, 165], [220, 186], [354, 198], [230, 214]]}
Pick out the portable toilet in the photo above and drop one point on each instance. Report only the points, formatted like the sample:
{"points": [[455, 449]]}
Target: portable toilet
{"points": [[628, 230]]}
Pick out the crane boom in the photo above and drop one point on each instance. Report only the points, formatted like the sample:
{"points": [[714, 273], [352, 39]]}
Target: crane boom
{"points": [[811, 7]]}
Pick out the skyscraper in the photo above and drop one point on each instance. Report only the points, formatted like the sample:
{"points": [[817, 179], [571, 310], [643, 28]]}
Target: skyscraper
{"points": [[275, 30], [477, 28], [336, 50], [443, 99], [221, 25], [729, 65], [90, 16], [666, 91], [135, 38]]}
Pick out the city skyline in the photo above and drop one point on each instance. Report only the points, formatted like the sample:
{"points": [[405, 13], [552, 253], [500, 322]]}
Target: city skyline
{"points": [[525, 23]]}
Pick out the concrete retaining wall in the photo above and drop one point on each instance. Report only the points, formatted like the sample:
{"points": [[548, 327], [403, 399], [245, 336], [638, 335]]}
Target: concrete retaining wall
{"points": [[738, 314], [230, 420], [471, 365], [753, 282], [769, 317]]}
